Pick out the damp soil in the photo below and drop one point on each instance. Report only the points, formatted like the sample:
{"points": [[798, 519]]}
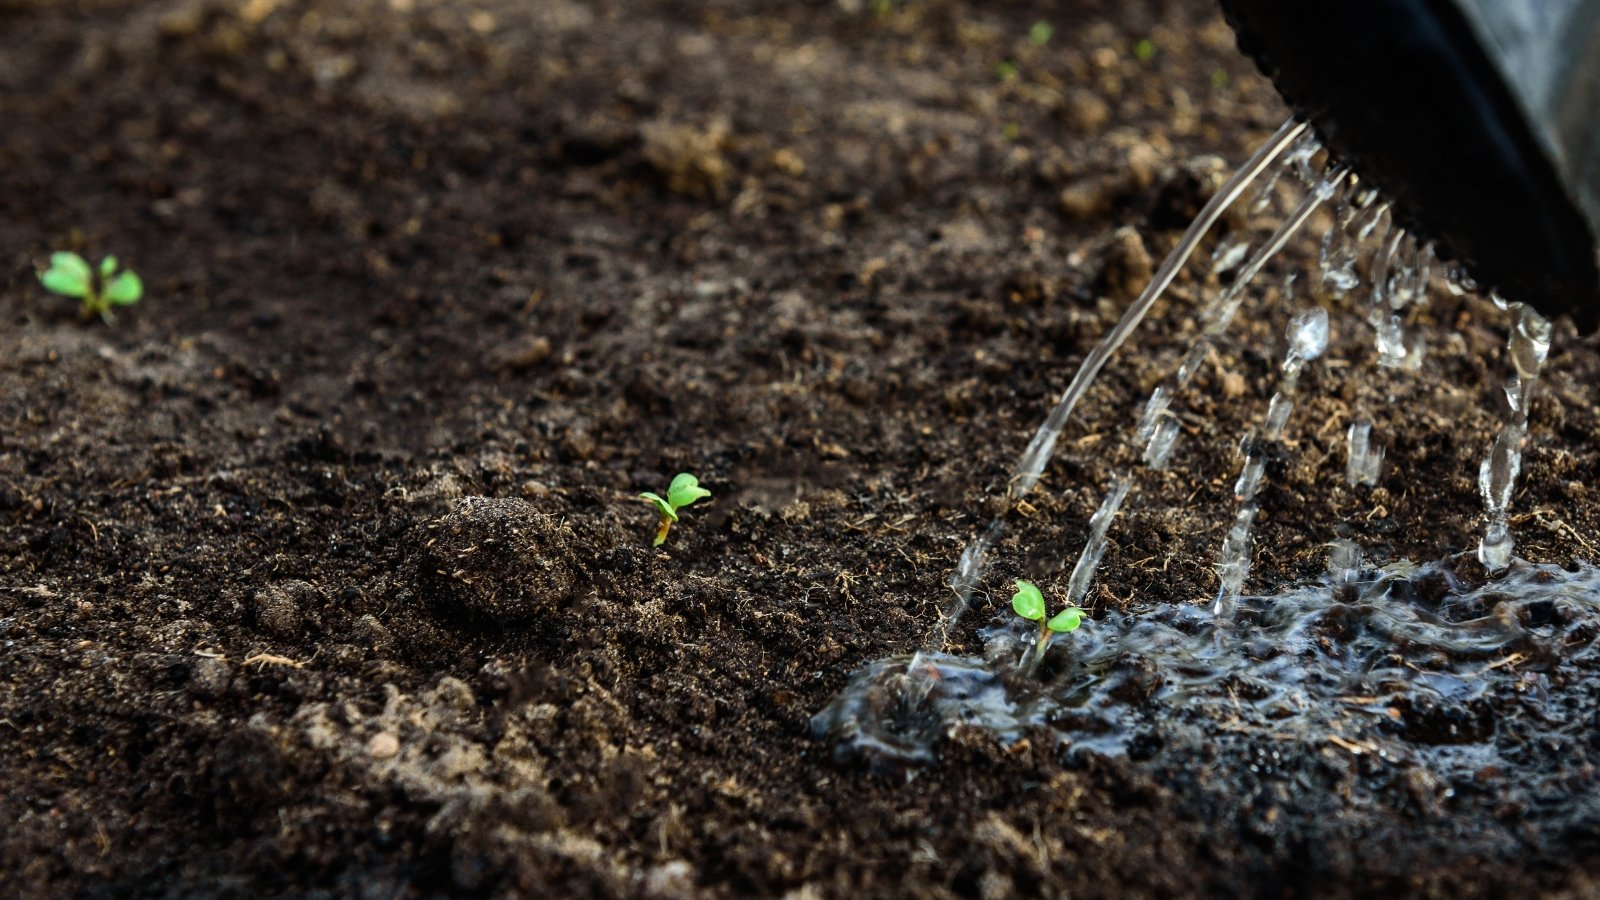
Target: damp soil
{"points": [[322, 571]]}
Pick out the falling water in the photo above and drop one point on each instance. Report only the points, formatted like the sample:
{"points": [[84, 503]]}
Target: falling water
{"points": [[1037, 454], [1095, 546], [1307, 339], [969, 571], [1527, 347], [1364, 458], [1157, 428], [896, 710]]}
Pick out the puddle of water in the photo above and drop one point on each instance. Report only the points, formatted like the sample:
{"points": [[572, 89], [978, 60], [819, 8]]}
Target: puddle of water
{"points": [[1407, 664], [1408, 670]]}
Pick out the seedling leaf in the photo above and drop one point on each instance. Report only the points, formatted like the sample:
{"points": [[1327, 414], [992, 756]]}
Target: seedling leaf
{"points": [[1027, 601], [125, 289], [1067, 620], [107, 266], [662, 506], [684, 490], [65, 283], [72, 264]]}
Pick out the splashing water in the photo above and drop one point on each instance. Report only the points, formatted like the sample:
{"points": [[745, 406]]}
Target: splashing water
{"points": [[1408, 664], [1360, 658]]}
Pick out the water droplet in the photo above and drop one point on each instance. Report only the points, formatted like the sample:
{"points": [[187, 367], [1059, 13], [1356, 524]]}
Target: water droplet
{"points": [[1229, 255], [1364, 461], [1163, 437], [1308, 334], [1496, 546], [1344, 560], [1095, 546], [1278, 415]]}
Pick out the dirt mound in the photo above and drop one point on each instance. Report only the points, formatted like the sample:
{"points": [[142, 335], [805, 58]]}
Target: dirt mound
{"points": [[495, 561]]}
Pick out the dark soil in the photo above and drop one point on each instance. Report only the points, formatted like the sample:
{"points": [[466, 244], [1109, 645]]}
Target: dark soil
{"points": [[323, 572]]}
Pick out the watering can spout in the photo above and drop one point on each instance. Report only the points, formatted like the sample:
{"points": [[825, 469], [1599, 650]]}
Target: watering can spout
{"points": [[1479, 120]]}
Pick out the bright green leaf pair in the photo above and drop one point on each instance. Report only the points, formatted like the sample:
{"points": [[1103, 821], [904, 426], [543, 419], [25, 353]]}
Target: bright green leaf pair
{"points": [[70, 276], [684, 490], [1028, 603]]}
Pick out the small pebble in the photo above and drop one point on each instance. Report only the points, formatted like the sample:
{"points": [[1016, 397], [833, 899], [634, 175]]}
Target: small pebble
{"points": [[384, 745]]}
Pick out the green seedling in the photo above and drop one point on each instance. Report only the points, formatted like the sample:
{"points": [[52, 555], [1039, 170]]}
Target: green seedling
{"points": [[684, 490], [1040, 34], [70, 276], [1029, 604]]}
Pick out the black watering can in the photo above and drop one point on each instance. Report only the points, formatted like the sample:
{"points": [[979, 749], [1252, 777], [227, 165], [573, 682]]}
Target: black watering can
{"points": [[1478, 119]]}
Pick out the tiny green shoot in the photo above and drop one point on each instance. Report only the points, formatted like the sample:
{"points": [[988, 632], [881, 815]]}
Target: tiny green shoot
{"points": [[1028, 603], [1006, 70], [1144, 50], [1040, 34], [684, 490], [70, 276]]}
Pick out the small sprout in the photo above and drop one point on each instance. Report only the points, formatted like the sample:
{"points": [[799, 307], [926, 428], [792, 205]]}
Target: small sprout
{"points": [[1028, 603], [1011, 132], [1066, 621], [684, 490], [1144, 50], [1040, 34], [70, 276], [1006, 70]]}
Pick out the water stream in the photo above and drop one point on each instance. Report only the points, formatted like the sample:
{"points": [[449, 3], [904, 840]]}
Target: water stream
{"points": [[1363, 658]]}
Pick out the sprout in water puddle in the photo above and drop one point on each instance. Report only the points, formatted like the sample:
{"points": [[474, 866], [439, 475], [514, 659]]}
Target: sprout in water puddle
{"points": [[1029, 604]]}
